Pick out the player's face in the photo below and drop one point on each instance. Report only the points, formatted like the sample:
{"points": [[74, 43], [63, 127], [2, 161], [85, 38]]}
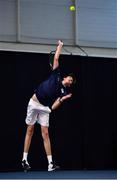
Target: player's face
{"points": [[68, 81]]}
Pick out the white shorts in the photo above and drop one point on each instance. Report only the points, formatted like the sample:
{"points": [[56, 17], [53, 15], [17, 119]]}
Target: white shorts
{"points": [[36, 112]]}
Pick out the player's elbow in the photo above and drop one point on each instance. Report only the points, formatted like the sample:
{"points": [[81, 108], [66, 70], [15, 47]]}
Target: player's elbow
{"points": [[55, 59]]}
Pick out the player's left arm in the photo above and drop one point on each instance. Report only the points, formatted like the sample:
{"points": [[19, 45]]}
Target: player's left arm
{"points": [[59, 101]]}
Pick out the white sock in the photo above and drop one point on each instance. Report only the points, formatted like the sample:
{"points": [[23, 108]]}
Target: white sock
{"points": [[49, 157], [25, 155]]}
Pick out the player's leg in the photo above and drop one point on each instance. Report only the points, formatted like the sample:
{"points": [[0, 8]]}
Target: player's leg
{"points": [[30, 121], [44, 122], [47, 145], [27, 142]]}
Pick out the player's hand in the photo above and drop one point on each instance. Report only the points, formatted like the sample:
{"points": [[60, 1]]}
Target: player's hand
{"points": [[60, 43], [66, 97]]}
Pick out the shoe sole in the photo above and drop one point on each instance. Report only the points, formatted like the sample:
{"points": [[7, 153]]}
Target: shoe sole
{"points": [[49, 170], [26, 170], [55, 169]]}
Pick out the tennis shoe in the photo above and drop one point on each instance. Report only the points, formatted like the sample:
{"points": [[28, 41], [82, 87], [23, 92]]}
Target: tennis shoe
{"points": [[53, 167], [25, 165]]}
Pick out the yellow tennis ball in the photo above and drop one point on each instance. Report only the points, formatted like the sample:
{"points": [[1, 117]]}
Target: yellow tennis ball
{"points": [[72, 8]]}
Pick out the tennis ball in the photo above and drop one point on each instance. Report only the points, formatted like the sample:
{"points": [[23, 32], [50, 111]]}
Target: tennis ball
{"points": [[72, 8]]}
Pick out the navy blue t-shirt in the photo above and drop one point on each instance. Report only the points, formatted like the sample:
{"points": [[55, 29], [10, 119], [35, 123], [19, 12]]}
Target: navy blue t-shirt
{"points": [[49, 90]]}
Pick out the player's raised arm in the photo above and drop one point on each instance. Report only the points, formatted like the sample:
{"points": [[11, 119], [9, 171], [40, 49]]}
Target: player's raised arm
{"points": [[57, 54]]}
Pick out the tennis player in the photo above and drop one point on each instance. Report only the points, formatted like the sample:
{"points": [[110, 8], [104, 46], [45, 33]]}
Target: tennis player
{"points": [[48, 96]]}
